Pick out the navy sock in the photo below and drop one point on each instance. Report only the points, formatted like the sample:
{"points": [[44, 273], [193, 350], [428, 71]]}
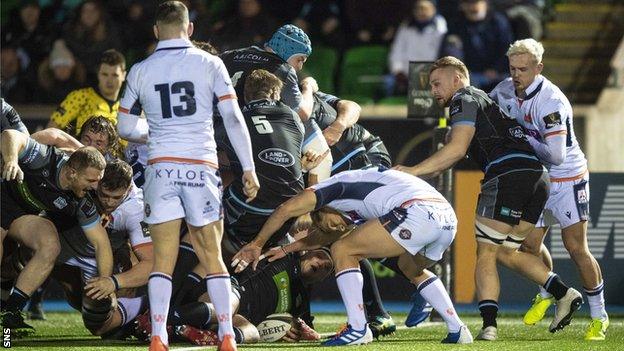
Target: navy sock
{"points": [[489, 311]]}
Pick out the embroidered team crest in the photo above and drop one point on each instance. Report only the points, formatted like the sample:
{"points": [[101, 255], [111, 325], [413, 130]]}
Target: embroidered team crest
{"points": [[405, 234], [60, 202]]}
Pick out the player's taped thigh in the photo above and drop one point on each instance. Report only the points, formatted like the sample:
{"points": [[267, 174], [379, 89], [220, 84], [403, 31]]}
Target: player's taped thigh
{"points": [[488, 235], [513, 241], [95, 313]]}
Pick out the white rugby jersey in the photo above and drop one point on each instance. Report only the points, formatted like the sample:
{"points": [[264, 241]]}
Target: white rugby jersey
{"points": [[127, 217], [176, 87], [371, 193], [545, 111]]}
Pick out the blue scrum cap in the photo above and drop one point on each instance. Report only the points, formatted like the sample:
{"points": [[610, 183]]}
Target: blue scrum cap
{"points": [[290, 40]]}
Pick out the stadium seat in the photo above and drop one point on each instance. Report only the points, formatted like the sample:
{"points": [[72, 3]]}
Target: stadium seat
{"points": [[362, 71], [322, 66]]}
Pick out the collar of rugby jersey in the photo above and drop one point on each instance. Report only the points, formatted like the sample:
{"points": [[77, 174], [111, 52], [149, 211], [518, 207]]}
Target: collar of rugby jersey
{"points": [[174, 44], [533, 88]]}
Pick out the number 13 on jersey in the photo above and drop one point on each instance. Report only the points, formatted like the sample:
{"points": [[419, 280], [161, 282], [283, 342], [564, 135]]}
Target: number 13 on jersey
{"points": [[185, 91]]}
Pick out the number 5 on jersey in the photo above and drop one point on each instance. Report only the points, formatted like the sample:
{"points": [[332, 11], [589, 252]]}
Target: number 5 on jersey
{"points": [[262, 125], [186, 92]]}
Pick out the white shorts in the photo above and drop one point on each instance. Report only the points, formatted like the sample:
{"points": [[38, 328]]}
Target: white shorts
{"points": [[426, 228], [190, 191], [567, 204]]}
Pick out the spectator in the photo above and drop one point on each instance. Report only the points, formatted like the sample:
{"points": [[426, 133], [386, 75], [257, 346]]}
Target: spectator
{"points": [[137, 29], [102, 100], [15, 84], [525, 16], [250, 26], [417, 39], [374, 21], [91, 33], [27, 33], [483, 36], [59, 74], [324, 21]]}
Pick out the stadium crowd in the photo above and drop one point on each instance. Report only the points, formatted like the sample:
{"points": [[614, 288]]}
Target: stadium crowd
{"points": [[218, 188], [55, 45]]}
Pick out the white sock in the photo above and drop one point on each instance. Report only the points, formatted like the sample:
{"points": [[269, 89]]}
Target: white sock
{"points": [[159, 290], [350, 283], [433, 291], [543, 293], [129, 308], [219, 290], [595, 298]]}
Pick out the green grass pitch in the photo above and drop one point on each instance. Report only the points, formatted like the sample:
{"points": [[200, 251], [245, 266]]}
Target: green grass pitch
{"points": [[64, 332]]}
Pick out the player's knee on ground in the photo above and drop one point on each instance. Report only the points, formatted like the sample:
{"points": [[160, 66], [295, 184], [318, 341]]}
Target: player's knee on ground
{"points": [[96, 314], [248, 330]]}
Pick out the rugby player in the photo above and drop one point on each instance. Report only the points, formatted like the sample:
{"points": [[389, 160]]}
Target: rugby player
{"points": [[280, 286], [176, 87], [40, 178], [513, 192], [277, 138], [348, 140], [283, 55], [402, 216], [121, 206], [546, 114]]}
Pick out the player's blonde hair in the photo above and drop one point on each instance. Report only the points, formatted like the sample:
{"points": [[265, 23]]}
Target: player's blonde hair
{"points": [[453, 62], [527, 46]]}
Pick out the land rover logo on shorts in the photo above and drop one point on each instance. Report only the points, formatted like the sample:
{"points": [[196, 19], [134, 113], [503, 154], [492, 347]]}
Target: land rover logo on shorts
{"points": [[148, 210], [60, 202], [405, 234], [277, 157]]}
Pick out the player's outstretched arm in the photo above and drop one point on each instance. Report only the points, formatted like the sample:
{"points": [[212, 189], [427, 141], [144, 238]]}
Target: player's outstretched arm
{"points": [[296, 206], [314, 240], [97, 236], [57, 138], [13, 142], [445, 158]]}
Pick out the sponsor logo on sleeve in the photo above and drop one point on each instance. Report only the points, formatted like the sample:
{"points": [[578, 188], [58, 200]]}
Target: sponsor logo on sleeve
{"points": [[88, 208], [145, 230], [455, 109], [60, 202], [552, 120]]}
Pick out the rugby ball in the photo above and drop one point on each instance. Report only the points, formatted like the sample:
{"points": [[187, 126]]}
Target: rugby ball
{"points": [[274, 327]]}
